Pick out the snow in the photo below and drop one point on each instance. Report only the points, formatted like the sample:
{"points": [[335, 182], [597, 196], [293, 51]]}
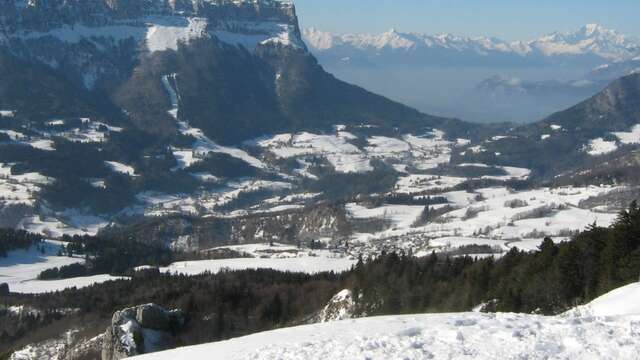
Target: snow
{"points": [[53, 226], [497, 217], [416, 184], [401, 216], [20, 189], [621, 301], [456, 242], [160, 37], [20, 270], [435, 336], [380, 145], [42, 144], [343, 156], [42, 286], [600, 147], [630, 137], [121, 168], [90, 132], [7, 113], [303, 264], [549, 211], [591, 40], [423, 152], [274, 250], [205, 202], [512, 173], [477, 149], [349, 163]]}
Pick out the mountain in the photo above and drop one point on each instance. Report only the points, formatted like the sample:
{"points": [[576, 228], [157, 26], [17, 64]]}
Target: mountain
{"points": [[587, 136], [451, 75], [111, 108], [241, 67], [590, 44]]}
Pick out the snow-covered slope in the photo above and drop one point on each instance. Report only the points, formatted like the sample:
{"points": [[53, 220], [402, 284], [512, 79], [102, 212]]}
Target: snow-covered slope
{"points": [[621, 301], [443, 336]]}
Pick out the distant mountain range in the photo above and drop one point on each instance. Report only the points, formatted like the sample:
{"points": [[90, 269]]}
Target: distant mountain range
{"points": [[591, 44], [480, 79]]}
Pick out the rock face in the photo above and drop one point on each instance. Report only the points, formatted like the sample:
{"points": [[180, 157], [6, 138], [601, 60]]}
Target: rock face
{"points": [[141, 330], [241, 67]]}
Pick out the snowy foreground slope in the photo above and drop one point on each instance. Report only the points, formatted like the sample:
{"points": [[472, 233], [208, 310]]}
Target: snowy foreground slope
{"points": [[448, 336]]}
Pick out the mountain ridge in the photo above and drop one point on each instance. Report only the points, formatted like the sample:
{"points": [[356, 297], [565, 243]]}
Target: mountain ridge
{"points": [[591, 40]]}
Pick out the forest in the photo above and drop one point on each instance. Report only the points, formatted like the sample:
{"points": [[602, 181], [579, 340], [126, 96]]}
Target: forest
{"points": [[16, 239]]}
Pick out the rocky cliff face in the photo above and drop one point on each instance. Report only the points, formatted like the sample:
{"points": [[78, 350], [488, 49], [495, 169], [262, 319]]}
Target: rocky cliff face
{"points": [[90, 41], [141, 330], [241, 67]]}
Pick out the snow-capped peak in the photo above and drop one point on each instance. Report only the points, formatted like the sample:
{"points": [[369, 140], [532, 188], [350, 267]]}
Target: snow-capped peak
{"points": [[591, 39], [591, 29]]}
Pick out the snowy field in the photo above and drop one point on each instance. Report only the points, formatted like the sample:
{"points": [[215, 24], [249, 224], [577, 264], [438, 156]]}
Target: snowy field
{"points": [[320, 261], [496, 217], [20, 189], [340, 151], [447, 336], [20, 270], [601, 146]]}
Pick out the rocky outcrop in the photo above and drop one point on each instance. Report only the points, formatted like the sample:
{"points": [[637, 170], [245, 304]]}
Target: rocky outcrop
{"points": [[340, 307], [141, 330]]}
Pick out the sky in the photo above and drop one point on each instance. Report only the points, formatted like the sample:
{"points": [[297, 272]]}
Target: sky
{"points": [[506, 19]]}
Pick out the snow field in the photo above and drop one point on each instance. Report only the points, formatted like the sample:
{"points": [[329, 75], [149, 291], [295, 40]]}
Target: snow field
{"points": [[441, 336], [121, 168], [423, 152], [599, 146], [621, 301], [497, 217], [21, 268], [20, 189], [630, 137], [323, 262]]}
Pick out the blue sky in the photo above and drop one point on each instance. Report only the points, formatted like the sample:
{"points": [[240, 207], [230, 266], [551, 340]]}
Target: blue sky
{"points": [[507, 19]]}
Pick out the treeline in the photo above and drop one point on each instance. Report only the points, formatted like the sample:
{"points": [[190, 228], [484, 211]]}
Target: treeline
{"points": [[555, 278], [221, 306], [17, 239], [107, 255]]}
